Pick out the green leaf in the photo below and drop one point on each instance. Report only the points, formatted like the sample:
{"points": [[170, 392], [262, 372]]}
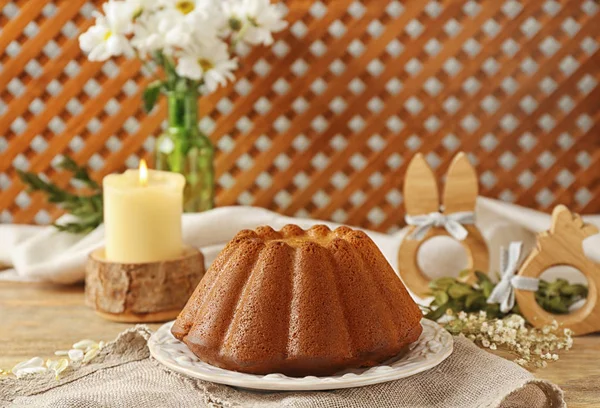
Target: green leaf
{"points": [[464, 273], [556, 305], [474, 299], [574, 290], [554, 287], [87, 208], [487, 287], [493, 310], [482, 277], [151, 94], [441, 298], [458, 290], [441, 283], [79, 172], [438, 313]]}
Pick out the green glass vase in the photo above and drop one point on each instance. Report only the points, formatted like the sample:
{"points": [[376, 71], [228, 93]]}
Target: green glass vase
{"points": [[183, 148]]}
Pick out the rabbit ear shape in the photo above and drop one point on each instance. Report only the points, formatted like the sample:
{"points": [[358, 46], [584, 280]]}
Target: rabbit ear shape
{"points": [[461, 189], [420, 188]]}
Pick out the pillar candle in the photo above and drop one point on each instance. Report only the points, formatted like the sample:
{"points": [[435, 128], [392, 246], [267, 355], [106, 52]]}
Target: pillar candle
{"points": [[142, 215]]}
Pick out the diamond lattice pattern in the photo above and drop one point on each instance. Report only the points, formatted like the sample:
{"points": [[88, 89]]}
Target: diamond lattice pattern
{"points": [[323, 123]]}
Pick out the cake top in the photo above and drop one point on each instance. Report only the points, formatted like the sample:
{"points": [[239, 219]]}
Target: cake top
{"points": [[295, 236]]}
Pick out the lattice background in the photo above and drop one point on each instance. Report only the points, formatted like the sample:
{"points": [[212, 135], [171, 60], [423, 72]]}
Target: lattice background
{"points": [[324, 123]]}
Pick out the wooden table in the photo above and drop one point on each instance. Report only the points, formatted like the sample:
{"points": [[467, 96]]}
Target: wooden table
{"points": [[37, 319]]}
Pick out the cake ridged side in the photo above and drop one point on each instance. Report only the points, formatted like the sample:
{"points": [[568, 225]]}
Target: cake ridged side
{"points": [[313, 333], [185, 320], [299, 302], [213, 319], [369, 321], [404, 311], [252, 336]]}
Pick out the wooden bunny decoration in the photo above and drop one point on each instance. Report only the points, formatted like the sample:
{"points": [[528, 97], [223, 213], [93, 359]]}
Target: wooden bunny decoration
{"points": [[427, 217], [562, 245]]}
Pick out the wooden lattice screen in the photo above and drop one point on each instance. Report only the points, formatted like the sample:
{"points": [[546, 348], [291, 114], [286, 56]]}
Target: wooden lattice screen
{"points": [[324, 123]]}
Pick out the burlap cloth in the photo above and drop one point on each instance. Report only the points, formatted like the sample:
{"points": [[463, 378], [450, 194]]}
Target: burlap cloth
{"points": [[124, 375]]}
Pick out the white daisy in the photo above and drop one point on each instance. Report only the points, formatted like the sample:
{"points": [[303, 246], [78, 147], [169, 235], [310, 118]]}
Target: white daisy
{"points": [[108, 37], [146, 35], [185, 22], [256, 20], [210, 64]]}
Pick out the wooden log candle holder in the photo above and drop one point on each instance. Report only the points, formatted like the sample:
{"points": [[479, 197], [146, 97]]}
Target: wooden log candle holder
{"points": [[141, 292]]}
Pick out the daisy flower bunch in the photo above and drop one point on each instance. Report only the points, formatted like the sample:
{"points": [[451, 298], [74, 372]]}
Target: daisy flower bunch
{"points": [[194, 41]]}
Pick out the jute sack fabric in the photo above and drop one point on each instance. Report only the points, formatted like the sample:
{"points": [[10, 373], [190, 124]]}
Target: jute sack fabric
{"points": [[124, 375]]}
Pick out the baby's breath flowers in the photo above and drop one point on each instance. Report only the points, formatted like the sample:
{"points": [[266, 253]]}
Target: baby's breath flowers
{"points": [[532, 347], [464, 311], [82, 352]]}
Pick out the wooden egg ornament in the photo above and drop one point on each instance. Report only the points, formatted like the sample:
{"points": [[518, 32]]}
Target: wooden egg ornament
{"points": [[562, 245], [421, 198]]}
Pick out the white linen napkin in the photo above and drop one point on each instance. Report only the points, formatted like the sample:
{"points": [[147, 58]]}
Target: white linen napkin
{"points": [[44, 254]]}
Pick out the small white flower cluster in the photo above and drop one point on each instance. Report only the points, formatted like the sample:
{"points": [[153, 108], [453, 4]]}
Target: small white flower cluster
{"points": [[83, 351], [196, 38], [532, 347]]}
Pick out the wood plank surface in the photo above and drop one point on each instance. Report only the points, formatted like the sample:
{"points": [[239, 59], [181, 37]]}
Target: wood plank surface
{"points": [[37, 319]]}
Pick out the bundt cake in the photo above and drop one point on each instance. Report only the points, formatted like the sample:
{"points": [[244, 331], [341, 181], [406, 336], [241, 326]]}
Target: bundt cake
{"points": [[300, 303]]}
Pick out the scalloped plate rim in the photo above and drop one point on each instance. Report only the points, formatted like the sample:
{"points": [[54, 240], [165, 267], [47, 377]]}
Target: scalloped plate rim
{"points": [[282, 382]]}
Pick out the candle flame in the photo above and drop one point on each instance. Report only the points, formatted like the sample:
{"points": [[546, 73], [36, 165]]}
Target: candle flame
{"points": [[143, 173]]}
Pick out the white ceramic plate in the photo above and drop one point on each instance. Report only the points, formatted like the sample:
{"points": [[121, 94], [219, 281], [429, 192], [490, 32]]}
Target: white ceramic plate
{"points": [[434, 345]]}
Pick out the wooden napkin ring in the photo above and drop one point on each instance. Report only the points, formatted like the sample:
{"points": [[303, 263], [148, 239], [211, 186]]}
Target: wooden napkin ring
{"points": [[417, 281], [421, 197], [142, 292], [562, 245]]}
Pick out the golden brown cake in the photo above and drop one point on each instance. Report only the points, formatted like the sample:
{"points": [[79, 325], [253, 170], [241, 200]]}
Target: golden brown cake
{"points": [[300, 303]]}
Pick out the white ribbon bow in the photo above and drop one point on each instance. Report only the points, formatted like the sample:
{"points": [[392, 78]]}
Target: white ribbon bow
{"points": [[453, 223], [504, 292]]}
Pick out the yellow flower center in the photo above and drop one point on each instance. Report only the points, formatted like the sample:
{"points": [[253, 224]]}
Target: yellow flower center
{"points": [[206, 64], [185, 7], [107, 35]]}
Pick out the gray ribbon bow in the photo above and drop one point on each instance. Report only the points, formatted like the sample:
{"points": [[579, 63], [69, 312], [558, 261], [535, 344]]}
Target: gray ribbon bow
{"points": [[504, 292], [453, 223]]}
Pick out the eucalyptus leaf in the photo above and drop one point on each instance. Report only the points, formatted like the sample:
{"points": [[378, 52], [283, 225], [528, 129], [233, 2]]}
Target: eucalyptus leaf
{"points": [[441, 283], [441, 298], [458, 290], [438, 313], [569, 290], [557, 306], [554, 287], [487, 287], [482, 277], [450, 294], [474, 299]]}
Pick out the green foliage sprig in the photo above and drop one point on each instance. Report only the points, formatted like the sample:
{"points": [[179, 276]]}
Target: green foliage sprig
{"points": [[450, 294], [87, 208]]}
